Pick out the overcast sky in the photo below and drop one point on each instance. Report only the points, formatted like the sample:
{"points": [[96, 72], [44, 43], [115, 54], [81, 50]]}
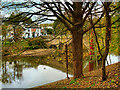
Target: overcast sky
{"points": [[6, 12]]}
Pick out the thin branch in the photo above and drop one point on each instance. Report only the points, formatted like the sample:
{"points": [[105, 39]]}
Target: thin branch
{"points": [[96, 38], [57, 34], [115, 9], [90, 9], [62, 20], [68, 5], [111, 24], [87, 5], [61, 14], [93, 24]]}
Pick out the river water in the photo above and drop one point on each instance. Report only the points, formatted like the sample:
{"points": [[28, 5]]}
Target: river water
{"points": [[23, 75], [114, 59]]}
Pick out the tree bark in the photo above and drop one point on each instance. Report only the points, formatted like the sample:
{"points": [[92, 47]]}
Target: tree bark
{"points": [[66, 50], [5, 39], [77, 40], [15, 39], [77, 49]]}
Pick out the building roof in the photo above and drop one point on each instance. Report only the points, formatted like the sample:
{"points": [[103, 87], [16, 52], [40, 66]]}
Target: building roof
{"points": [[32, 26], [33, 30], [43, 30]]}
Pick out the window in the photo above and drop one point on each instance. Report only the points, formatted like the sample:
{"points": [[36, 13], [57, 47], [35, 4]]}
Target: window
{"points": [[28, 35], [37, 34]]}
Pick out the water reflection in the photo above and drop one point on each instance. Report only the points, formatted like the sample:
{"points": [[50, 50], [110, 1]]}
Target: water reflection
{"points": [[11, 71], [112, 59], [18, 74], [21, 73]]}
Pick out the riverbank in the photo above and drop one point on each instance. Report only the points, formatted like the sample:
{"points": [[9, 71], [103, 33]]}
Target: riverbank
{"points": [[36, 52], [90, 80]]}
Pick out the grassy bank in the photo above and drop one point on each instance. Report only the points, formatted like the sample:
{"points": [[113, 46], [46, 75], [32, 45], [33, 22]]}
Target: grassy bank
{"points": [[10, 48]]}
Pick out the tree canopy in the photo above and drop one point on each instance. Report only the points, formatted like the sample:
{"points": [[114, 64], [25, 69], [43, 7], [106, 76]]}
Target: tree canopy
{"points": [[15, 19]]}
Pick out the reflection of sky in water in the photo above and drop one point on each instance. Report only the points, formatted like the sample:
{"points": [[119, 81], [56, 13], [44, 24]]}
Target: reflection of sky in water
{"points": [[114, 59], [32, 77], [35, 77]]}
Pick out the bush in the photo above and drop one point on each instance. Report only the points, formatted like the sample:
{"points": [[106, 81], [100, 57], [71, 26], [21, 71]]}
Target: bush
{"points": [[7, 42], [49, 31], [5, 53], [36, 43]]}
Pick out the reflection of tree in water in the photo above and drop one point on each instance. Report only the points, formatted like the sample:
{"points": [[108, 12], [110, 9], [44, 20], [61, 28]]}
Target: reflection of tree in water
{"points": [[7, 76], [17, 70], [12, 68]]}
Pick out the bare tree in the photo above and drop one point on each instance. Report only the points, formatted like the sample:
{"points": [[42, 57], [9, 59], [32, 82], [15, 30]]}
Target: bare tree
{"points": [[73, 15]]}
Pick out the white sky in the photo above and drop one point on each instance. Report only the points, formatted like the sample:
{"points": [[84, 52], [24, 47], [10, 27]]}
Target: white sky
{"points": [[6, 13]]}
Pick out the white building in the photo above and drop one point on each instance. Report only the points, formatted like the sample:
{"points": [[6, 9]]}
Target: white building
{"points": [[29, 32], [34, 31]]}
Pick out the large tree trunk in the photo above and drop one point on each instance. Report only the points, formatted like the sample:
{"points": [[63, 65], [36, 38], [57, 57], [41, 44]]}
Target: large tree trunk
{"points": [[77, 49], [77, 37]]}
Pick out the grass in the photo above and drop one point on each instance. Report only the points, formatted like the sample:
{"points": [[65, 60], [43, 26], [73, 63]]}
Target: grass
{"points": [[83, 76], [116, 74], [93, 85], [112, 81], [72, 81], [77, 83], [64, 87]]}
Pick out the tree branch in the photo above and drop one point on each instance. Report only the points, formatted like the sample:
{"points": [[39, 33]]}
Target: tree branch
{"points": [[62, 20], [96, 38], [90, 9], [93, 24], [87, 5]]}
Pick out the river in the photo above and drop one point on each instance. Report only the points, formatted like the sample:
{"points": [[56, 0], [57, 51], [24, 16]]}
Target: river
{"points": [[114, 59], [24, 75], [19, 74]]}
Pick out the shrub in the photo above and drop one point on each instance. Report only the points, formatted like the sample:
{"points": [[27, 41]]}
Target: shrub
{"points": [[5, 53], [36, 43], [53, 46]]}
